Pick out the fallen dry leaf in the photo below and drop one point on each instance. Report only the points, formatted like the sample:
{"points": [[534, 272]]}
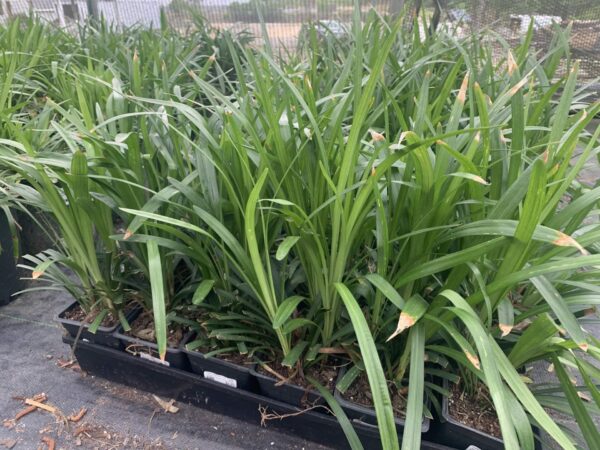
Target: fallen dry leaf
{"points": [[40, 405], [167, 406], [8, 443], [37, 397], [77, 417], [64, 364], [24, 412], [82, 429], [51, 443]]}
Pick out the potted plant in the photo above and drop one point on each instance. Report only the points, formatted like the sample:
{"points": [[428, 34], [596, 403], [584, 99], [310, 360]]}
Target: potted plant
{"points": [[141, 341], [157, 333], [293, 385], [85, 247], [226, 366], [353, 394], [468, 420], [393, 200]]}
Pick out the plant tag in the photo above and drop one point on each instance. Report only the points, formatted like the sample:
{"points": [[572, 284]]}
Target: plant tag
{"points": [[153, 359], [220, 379]]}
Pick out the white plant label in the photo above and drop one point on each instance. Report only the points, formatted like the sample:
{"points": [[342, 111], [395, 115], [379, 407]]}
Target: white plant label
{"points": [[154, 359], [220, 379]]}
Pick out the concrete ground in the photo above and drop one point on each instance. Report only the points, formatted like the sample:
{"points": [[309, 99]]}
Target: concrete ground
{"points": [[117, 417]]}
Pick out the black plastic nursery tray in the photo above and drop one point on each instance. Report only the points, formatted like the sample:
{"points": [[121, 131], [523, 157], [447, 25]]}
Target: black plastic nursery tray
{"points": [[9, 278], [190, 388], [449, 430], [102, 336]]}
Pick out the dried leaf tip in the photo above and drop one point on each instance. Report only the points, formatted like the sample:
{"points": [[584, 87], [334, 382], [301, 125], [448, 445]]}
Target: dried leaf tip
{"points": [[473, 359], [583, 396], [517, 86], [308, 82], [377, 137], [462, 93], [564, 240], [511, 63], [546, 156], [405, 321], [505, 329], [373, 171], [36, 274], [136, 57], [480, 180]]}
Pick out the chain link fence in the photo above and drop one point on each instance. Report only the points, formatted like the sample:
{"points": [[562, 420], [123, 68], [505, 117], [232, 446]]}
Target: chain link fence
{"points": [[283, 19], [511, 19]]}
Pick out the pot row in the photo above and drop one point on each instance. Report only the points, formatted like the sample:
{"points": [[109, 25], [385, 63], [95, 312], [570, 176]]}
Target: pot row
{"points": [[445, 431]]}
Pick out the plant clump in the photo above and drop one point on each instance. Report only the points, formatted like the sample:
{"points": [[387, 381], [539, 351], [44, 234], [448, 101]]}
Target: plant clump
{"points": [[409, 205]]}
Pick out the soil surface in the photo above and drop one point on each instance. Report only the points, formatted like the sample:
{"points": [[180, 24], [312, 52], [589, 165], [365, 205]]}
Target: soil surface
{"points": [[235, 358], [360, 392], [325, 374], [143, 328], [475, 411], [77, 314]]}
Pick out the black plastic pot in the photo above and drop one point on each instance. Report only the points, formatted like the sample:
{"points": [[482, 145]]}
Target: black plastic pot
{"points": [[452, 432], [102, 336], [288, 393], [222, 371], [9, 278], [365, 415], [175, 357], [190, 388]]}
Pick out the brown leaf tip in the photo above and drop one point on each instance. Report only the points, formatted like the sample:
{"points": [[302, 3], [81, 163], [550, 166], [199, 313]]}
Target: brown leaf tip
{"points": [[462, 93], [511, 63], [564, 240], [377, 137], [473, 359], [505, 329]]}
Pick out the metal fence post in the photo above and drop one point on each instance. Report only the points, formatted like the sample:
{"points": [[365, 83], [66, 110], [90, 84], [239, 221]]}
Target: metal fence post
{"points": [[92, 7], [396, 6]]}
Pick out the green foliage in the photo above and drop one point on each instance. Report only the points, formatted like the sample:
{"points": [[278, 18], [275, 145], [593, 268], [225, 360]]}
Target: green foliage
{"points": [[402, 198]]}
